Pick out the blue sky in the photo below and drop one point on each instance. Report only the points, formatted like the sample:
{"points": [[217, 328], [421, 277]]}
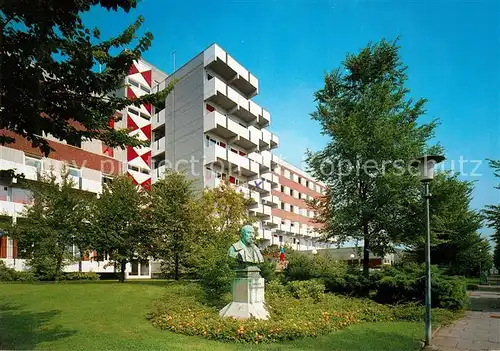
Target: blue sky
{"points": [[452, 49]]}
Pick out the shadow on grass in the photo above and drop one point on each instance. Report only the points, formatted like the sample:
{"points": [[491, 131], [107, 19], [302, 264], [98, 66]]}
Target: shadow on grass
{"points": [[24, 330]]}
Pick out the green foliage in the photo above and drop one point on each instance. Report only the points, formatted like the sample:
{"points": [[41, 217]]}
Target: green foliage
{"points": [[172, 204], [55, 222], [372, 122], [10, 275], [268, 269], [407, 284], [80, 276], [120, 223], [182, 311], [218, 217], [456, 242], [53, 58], [492, 214], [303, 266], [301, 289]]}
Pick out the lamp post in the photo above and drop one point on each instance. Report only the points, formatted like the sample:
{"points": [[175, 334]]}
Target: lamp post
{"points": [[426, 167]]}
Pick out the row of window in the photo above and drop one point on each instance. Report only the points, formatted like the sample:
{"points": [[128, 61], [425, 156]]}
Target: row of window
{"points": [[211, 141], [135, 112], [139, 85], [297, 210], [296, 194], [138, 169], [301, 180], [38, 165]]}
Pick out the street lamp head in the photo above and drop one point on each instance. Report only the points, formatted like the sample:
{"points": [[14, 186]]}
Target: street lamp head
{"points": [[352, 256], [426, 165]]}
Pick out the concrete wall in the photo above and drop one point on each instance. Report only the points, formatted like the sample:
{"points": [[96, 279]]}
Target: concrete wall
{"points": [[184, 120]]}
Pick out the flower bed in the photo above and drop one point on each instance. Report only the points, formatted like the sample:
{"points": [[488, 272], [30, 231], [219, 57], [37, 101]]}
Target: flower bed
{"points": [[182, 311]]}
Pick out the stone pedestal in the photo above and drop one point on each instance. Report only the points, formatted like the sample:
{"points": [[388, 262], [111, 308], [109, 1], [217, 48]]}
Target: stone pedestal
{"points": [[248, 296]]}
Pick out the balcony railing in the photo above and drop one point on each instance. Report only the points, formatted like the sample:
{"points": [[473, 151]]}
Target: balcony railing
{"points": [[158, 119], [158, 146], [157, 173]]}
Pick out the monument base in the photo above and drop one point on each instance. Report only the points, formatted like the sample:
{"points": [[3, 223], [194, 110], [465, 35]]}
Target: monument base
{"points": [[248, 296]]}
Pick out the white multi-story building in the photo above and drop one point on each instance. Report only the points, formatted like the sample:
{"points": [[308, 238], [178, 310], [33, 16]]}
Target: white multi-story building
{"points": [[208, 126]]}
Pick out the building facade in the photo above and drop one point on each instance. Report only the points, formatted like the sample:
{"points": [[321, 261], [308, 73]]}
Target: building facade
{"points": [[209, 126]]}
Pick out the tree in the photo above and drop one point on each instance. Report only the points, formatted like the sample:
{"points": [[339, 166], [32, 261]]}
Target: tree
{"points": [[120, 223], [49, 82], [54, 222], [220, 214], [173, 219], [456, 243], [374, 133], [492, 213]]}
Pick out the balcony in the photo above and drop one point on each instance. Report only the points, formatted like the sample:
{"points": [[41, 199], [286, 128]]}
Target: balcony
{"points": [[272, 179], [264, 119], [158, 147], [223, 64], [157, 173], [257, 158], [275, 141], [219, 93], [272, 201], [260, 185], [249, 194], [260, 210], [215, 153], [243, 164], [158, 119]]}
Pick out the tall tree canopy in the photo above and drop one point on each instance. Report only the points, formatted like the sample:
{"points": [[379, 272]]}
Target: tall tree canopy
{"points": [[48, 80], [365, 110], [456, 243], [52, 224], [492, 213], [121, 222]]}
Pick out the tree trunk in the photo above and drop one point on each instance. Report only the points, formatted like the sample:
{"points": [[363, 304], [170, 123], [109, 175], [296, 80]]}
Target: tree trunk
{"points": [[176, 266], [57, 276], [366, 251], [123, 264]]}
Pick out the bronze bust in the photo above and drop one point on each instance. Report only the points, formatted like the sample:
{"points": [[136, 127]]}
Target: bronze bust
{"points": [[245, 251]]}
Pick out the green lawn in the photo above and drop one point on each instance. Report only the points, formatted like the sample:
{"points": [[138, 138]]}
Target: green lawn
{"points": [[111, 316]]}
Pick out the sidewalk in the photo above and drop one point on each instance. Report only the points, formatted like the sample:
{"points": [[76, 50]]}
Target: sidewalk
{"points": [[478, 330]]}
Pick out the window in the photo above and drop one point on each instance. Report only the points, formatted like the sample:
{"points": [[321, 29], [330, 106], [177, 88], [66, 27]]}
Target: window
{"points": [[74, 172], [133, 168], [209, 76], [145, 116], [282, 189], [307, 183], [133, 111], [282, 205], [220, 143], [134, 83], [210, 108], [234, 150], [76, 142], [300, 196], [299, 180], [281, 238], [144, 89], [291, 208], [106, 180], [33, 162], [144, 170]]}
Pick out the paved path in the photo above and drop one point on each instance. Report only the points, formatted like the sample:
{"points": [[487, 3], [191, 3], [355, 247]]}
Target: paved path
{"points": [[478, 330]]}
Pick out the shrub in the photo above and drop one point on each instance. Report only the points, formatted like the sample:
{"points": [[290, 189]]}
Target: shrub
{"points": [[268, 269], [80, 276], [307, 288], [181, 310], [303, 266], [407, 284], [6, 274], [10, 275]]}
